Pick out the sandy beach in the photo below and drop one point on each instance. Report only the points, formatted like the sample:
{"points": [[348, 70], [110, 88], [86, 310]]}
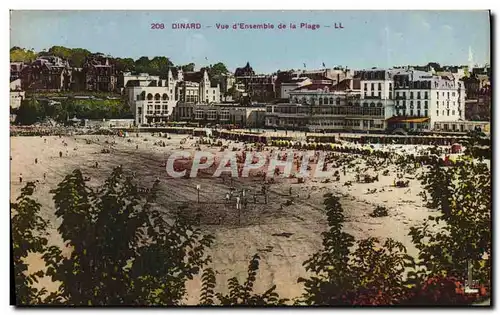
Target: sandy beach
{"points": [[284, 236]]}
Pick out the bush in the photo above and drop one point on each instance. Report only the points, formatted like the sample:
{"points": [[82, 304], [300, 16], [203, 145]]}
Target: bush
{"points": [[379, 211]]}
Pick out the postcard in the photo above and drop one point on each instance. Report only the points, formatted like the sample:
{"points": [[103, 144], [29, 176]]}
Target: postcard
{"points": [[251, 158]]}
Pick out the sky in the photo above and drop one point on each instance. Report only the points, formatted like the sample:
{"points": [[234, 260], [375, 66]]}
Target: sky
{"points": [[367, 39]]}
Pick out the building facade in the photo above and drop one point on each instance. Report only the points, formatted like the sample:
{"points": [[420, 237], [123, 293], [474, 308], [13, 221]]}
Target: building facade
{"points": [[221, 114], [17, 95], [100, 73], [152, 99], [422, 99], [47, 73], [321, 107]]}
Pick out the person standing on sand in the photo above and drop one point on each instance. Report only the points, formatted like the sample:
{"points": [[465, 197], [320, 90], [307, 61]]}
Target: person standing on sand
{"points": [[36, 160], [60, 154], [20, 178]]}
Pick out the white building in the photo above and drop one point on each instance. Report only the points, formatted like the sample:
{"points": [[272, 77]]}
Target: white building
{"points": [[16, 94], [322, 107], [152, 99], [422, 99], [297, 82]]}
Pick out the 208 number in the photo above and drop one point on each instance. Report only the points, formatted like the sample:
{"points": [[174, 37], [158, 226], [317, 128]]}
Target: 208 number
{"points": [[157, 26]]}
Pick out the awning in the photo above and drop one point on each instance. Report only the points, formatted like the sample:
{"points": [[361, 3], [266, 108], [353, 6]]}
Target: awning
{"points": [[397, 119]]}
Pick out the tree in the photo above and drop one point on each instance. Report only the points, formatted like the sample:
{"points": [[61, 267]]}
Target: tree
{"points": [[156, 66], [217, 70], [21, 54], [28, 236], [188, 68], [464, 234], [122, 250], [29, 112], [239, 294], [125, 64], [371, 274]]}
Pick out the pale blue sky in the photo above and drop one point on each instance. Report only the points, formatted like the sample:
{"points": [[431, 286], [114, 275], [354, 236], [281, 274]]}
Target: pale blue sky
{"points": [[369, 38]]}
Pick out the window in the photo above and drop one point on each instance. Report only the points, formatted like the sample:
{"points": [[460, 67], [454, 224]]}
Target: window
{"points": [[397, 94], [426, 95], [418, 104], [418, 95], [390, 86], [443, 94], [437, 95], [373, 93], [418, 113], [338, 100], [366, 86], [214, 97], [380, 86], [453, 94], [448, 94], [442, 113], [404, 94], [411, 94], [373, 87], [390, 95], [437, 113], [379, 94], [207, 92], [426, 105], [453, 112], [411, 112], [447, 112]]}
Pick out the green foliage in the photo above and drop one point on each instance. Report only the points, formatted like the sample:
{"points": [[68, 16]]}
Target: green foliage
{"points": [[187, 68], [379, 211], [29, 112], [464, 234], [21, 54], [239, 294], [371, 274], [217, 69], [125, 64], [75, 56], [32, 111], [155, 66], [28, 236], [122, 250]]}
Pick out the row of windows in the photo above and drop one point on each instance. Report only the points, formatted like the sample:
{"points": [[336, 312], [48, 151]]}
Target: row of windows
{"points": [[150, 97], [150, 107], [412, 113], [379, 86], [357, 111], [447, 112], [403, 103]]}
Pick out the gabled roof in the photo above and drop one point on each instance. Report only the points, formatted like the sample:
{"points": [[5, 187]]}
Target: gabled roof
{"points": [[196, 76]]}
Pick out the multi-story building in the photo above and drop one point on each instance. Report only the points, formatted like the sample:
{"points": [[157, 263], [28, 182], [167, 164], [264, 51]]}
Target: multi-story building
{"points": [[100, 73], [323, 107], [47, 73], [197, 88], [17, 95], [221, 114], [152, 98], [260, 87], [422, 99], [15, 70]]}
